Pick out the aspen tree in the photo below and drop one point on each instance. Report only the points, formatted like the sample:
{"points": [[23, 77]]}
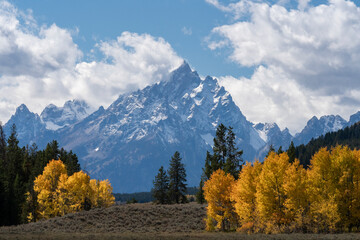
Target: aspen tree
{"points": [[220, 208], [243, 195]]}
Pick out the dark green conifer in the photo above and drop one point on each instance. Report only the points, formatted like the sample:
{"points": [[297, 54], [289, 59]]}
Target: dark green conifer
{"points": [[200, 193], [161, 187], [226, 155], [177, 180], [291, 152], [233, 162]]}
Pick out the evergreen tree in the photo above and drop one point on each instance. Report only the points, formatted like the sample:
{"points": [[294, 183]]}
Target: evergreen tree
{"points": [[161, 187], [225, 154], [291, 152], [3, 193], [279, 151], [200, 198], [70, 160], [208, 169], [271, 149], [177, 179], [220, 148], [15, 182], [233, 162], [18, 169]]}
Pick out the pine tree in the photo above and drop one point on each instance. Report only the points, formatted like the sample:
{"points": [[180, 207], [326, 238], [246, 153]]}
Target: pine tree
{"points": [[177, 180], [200, 198], [291, 152], [14, 173], [161, 187], [220, 148], [209, 168], [233, 162], [3, 193], [225, 154]]}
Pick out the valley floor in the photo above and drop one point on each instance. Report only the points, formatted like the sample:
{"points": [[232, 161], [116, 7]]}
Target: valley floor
{"points": [[138, 221]]}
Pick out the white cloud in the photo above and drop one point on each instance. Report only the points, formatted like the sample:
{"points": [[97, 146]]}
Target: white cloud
{"points": [[186, 31], [315, 49], [42, 64], [303, 4]]}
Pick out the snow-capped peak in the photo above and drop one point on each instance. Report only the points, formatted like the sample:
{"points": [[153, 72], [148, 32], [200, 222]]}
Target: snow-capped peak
{"points": [[73, 111]]}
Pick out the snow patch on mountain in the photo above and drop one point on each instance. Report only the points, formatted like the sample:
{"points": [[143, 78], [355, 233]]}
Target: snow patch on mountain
{"points": [[58, 117]]}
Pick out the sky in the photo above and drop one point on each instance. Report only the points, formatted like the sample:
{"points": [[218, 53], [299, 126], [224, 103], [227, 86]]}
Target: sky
{"points": [[282, 61]]}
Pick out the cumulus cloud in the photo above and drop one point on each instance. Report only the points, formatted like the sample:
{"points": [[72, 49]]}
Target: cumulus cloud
{"points": [[311, 53], [42, 64]]}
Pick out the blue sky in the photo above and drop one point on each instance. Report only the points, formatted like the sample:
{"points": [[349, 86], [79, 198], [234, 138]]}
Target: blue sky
{"points": [[283, 61], [185, 24]]}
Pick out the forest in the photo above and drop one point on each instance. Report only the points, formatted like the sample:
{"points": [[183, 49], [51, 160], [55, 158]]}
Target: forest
{"points": [[349, 136], [285, 193], [33, 185]]}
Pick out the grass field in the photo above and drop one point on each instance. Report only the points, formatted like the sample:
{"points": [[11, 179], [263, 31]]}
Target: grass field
{"points": [[138, 221]]}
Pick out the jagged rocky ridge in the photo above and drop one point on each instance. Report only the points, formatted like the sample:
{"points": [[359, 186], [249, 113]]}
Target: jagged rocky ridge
{"points": [[129, 141]]}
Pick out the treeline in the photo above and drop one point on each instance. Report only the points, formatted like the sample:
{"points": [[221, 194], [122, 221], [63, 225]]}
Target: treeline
{"points": [[19, 166], [349, 136], [144, 197], [278, 196]]}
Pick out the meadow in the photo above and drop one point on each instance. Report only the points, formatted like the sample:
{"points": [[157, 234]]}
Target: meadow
{"points": [[139, 221]]}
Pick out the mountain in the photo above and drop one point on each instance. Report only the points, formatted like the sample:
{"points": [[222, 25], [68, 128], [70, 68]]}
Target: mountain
{"points": [[140, 131], [29, 127], [349, 136], [272, 135], [58, 117], [354, 119], [316, 127]]}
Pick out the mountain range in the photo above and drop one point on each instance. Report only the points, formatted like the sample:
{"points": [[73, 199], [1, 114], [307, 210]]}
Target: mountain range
{"points": [[139, 132]]}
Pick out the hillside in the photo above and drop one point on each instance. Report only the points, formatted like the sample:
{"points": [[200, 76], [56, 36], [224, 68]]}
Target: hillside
{"points": [[129, 218], [139, 221], [349, 136]]}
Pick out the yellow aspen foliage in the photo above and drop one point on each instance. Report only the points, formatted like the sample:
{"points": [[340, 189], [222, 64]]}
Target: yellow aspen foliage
{"points": [[220, 208], [270, 192], [243, 195], [296, 202], [75, 192], [321, 188], [334, 192], [102, 193], [45, 185], [58, 194]]}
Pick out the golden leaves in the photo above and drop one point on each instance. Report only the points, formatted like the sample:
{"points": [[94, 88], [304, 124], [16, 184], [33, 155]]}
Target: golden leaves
{"points": [[278, 196], [59, 194]]}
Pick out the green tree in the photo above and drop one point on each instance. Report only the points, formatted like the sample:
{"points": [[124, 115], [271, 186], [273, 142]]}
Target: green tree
{"points": [[3, 193], [177, 179], [200, 198], [15, 181], [161, 187], [234, 161], [220, 148], [225, 154], [291, 152]]}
